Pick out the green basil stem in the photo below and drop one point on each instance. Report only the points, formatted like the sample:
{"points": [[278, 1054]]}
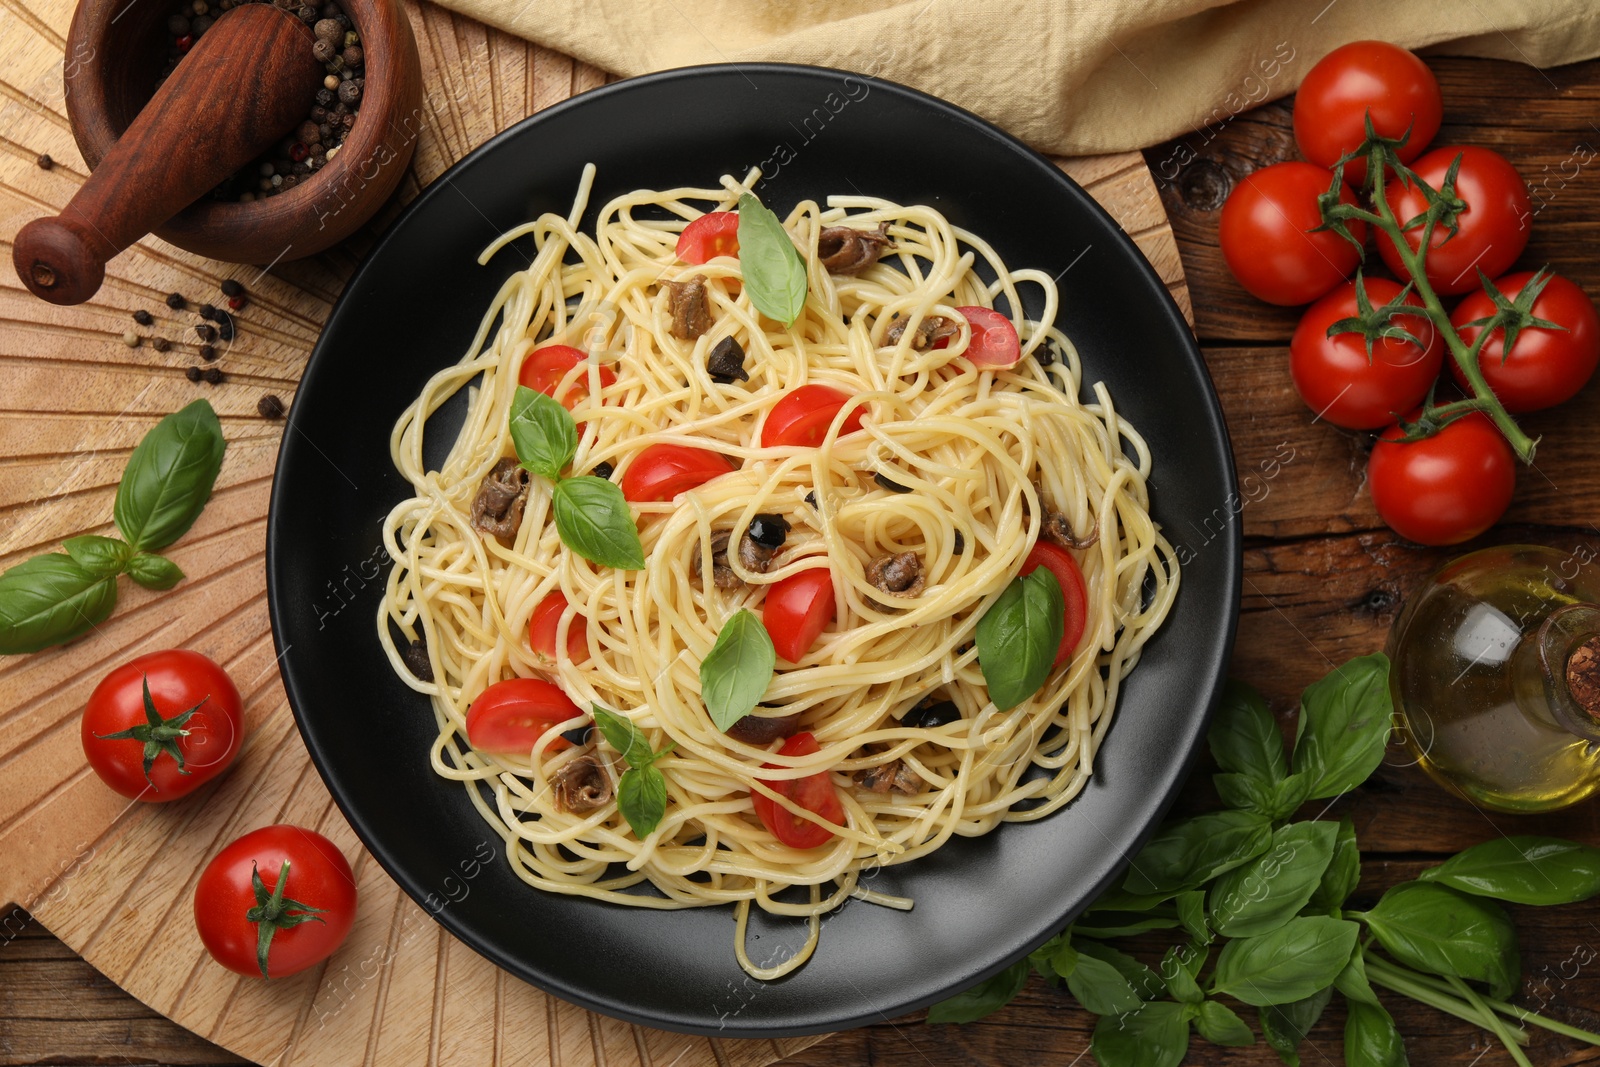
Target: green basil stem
{"points": [[1510, 1010], [1419, 988], [1498, 1028]]}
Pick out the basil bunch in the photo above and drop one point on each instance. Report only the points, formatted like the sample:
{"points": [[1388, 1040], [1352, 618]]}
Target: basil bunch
{"points": [[591, 514], [1262, 903], [50, 599], [642, 790]]}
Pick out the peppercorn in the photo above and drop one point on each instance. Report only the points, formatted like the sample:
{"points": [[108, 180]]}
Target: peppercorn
{"points": [[352, 56], [323, 51], [160, 344], [331, 82], [175, 301], [206, 333], [212, 375], [185, 42], [349, 93], [269, 407], [130, 339], [200, 7], [208, 312], [178, 25], [325, 95], [347, 121], [143, 317], [231, 287], [328, 30], [324, 133], [351, 37], [307, 15], [202, 24], [193, 374], [225, 328], [45, 162], [208, 353]]}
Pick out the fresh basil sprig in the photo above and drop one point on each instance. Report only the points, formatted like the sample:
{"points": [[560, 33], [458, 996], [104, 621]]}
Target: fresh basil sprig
{"points": [[590, 513], [51, 599], [736, 672], [1018, 637], [773, 271], [642, 790]]}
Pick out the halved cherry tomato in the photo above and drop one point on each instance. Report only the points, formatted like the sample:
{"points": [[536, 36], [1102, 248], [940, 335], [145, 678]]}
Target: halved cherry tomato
{"points": [[815, 793], [709, 236], [509, 716], [1267, 238], [547, 620], [543, 369], [797, 609], [1337, 380], [994, 340], [1074, 596], [803, 417], [1444, 489], [1545, 367], [663, 471], [1491, 231], [1353, 80]]}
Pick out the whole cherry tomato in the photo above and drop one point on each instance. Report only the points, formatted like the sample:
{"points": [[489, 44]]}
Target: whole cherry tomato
{"points": [[713, 234], [510, 716], [1332, 104], [1447, 488], [1491, 232], [815, 793], [1074, 597], [1546, 366], [543, 369], [1334, 376], [803, 416], [1267, 239], [796, 611], [162, 725], [662, 471], [290, 882], [546, 621]]}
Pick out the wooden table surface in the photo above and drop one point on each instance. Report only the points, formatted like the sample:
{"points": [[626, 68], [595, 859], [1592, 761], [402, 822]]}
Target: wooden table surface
{"points": [[1323, 581]]}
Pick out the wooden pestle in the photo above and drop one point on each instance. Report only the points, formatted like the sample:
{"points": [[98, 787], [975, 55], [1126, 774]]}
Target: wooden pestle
{"points": [[243, 87]]}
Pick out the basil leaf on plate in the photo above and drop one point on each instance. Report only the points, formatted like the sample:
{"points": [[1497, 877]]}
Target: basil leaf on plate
{"points": [[1265, 893], [773, 271], [1218, 1024], [1285, 1026], [1018, 637], [1523, 870], [642, 798], [622, 735], [1244, 736], [154, 572], [1291, 963], [1434, 928], [1157, 1035], [594, 521], [1100, 987], [1186, 854], [1371, 1039], [985, 998], [736, 672], [1344, 726], [169, 477], [542, 432], [101, 556], [50, 599], [1344, 870]]}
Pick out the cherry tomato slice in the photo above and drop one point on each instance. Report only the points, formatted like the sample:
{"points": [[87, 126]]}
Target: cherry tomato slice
{"points": [[709, 236], [1336, 379], [797, 609], [994, 340], [802, 417], [1267, 240], [509, 716], [1447, 488], [546, 621], [1331, 105], [1491, 232], [1546, 367], [815, 793], [1075, 598], [662, 471], [543, 369]]}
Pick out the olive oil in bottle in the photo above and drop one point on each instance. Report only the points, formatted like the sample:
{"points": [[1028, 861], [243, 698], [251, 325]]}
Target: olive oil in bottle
{"points": [[1496, 677]]}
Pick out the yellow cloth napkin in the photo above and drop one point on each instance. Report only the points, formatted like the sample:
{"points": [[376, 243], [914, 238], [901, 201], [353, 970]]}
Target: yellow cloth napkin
{"points": [[1074, 77]]}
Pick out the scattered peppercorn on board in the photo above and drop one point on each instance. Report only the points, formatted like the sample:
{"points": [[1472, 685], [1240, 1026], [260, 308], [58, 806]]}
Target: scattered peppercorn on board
{"points": [[115, 881]]}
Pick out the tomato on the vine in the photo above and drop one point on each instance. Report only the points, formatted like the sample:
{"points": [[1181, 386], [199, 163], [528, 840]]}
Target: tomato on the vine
{"points": [[1492, 229], [162, 725], [1074, 597], [815, 793], [1545, 367], [796, 611], [545, 623], [274, 902], [510, 716], [1443, 489], [1353, 80], [803, 416], [1334, 376], [1267, 237], [713, 234], [543, 369], [662, 471]]}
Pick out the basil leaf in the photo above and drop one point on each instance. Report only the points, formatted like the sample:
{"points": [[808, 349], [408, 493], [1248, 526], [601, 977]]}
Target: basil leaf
{"points": [[1157, 1035], [622, 735], [1523, 870], [169, 477], [1144, 982], [1018, 637], [1119, 899], [642, 798], [1219, 1025], [1434, 928], [1352, 981], [1371, 1039], [1186, 854], [1344, 726], [985, 998], [773, 271], [1192, 914], [594, 521], [1244, 736], [543, 433], [1179, 982], [736, 672], [1298, 959], [1344, 870], [1054, 959], [1246, 792], [50, 599], [1285, 1026], [1122, 924], [1100, 987], [154, 572], [1267, 892], [102, 557]]}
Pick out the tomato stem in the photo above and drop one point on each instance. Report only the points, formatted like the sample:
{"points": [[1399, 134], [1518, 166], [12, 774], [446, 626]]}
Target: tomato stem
{"points": [[274, 912], [157, 734]]}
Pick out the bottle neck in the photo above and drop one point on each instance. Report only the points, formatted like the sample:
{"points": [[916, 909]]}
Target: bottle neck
{"points": [[1567, 645]]}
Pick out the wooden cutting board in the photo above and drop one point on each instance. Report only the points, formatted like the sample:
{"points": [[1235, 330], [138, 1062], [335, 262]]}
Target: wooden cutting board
{"points": [[114, 881]]}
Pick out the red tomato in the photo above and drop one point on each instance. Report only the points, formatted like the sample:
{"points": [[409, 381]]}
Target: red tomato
{"points": [[994, 339], [803, 416], [815, 793], [1444, 489], [509, 716], [191, 749], [1492, 230], [543, 626], [797, 609], [543, 369], [1546, 367], [1074, 596], [711, 235], [1267, 239], [662, 471], [312, 874], [1335, 378], [1331, 107]]}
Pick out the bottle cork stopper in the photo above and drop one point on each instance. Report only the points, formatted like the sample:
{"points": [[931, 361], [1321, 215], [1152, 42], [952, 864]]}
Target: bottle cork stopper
{"points": [[1583, 676]]}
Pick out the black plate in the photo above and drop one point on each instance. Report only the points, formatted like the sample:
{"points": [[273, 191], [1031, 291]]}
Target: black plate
{"points": [[413, 308]]}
